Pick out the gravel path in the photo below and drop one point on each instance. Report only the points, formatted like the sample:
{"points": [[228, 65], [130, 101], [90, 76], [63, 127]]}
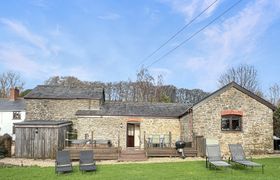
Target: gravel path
{"points": [[51, 162]]}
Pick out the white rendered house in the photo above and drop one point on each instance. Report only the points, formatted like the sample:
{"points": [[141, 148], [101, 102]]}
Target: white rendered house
{"points": [[12, 110]]}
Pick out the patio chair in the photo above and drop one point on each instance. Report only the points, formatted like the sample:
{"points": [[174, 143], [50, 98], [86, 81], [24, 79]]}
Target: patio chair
{"points": [[63, 162], [214, 157], [149, 141], [238, 156], [86, 161], [167, 140], [161, 141], [156, 140]]}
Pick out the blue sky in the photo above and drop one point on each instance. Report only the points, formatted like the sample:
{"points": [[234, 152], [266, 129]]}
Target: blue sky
{"points": [[98, 40]]}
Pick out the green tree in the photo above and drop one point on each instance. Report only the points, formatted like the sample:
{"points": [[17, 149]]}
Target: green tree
{"points": [[276, 122], [165, 98], [25, 92]]}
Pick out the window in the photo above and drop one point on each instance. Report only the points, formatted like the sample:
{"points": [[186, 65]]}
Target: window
{"points": [[130, 129], [16, 115], [231, 123]]}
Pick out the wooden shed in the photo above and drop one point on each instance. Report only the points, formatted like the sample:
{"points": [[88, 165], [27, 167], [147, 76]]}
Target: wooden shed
{"points": [[40, 139]]}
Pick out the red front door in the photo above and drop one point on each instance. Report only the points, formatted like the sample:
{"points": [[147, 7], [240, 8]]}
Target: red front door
{"points": [[130, 135]]}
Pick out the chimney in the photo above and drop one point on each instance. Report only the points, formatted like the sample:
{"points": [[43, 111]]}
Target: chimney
{"points": [[14, 93]]}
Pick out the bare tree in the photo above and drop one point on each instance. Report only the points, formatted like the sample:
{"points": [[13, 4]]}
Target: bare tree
{"points": [[274, 94], [158, 90], [145, 89], [144, 83], [9, 80], [244, 75], [65, 81], [190, 97], [55, 80]]}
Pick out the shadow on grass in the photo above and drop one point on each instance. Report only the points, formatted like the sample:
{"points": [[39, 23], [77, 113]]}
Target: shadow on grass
{"points": [[244, 169]]}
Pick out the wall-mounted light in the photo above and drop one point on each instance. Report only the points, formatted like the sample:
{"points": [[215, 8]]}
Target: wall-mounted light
{"points": [[36, 130], [121, 125]]}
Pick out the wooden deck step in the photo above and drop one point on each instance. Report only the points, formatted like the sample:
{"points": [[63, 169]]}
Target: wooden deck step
{"points": [[127, 152], [190, 152], [126, 159], [132, 155], [170, 152], [162, 152]]}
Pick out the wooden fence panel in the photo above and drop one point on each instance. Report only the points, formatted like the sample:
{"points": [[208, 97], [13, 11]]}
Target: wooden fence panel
{"points": [[200, 146]]}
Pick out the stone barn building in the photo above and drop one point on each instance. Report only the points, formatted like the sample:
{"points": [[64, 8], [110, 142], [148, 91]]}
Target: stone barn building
{"points": [[232, 114]]}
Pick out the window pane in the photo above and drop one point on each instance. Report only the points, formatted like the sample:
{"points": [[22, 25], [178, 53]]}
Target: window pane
{"points": [[225, 124], [16, 115], [231, 123], [235, 124], [130, 130]]}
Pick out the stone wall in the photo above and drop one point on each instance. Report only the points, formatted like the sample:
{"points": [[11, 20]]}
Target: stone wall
{"points": [[186, 127], [161, 126], [257, 122], [108, 127], [50, 109]]}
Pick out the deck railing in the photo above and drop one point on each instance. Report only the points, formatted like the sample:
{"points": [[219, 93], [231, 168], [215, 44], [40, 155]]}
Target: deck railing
{"points": [[157, 140], [194, 148], [102, 148]]}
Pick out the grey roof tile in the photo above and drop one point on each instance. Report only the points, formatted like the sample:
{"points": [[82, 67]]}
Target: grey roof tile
{"points": [[137, 109], [64, 92], [42, 122], [8, 105], [242, 89]]}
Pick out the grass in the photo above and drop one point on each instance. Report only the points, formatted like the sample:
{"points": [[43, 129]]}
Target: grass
{"points": [[178, 170]]}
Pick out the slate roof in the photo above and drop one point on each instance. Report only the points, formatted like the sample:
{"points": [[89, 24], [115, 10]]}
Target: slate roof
{"points": [[240, 88], [137, 109], [6, 105], [64, 92], [42, 122]]}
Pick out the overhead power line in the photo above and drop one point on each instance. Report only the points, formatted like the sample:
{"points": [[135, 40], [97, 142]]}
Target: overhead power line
{"points": [[194, 34], [179, 31]]}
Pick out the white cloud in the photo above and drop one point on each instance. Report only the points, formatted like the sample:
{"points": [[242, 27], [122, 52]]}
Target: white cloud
{"points": [[191, 8], [109, 16], [39, 3], [40, 57], [227, 44], [14, 59], [24, 33], [38, 60], [153, 14]]}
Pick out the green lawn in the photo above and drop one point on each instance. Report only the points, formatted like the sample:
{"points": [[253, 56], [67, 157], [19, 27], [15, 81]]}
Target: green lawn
{"points": [[178, 170]]}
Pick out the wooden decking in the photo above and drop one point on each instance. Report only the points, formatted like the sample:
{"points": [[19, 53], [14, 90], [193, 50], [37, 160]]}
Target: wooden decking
{"points": [[161, 152], [190, 152], [132, 155], [112, 153], [170, 152], [106, 153]]}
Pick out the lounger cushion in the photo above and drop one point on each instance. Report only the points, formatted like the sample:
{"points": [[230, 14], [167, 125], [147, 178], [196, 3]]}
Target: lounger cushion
{"points": [[248, 163], [220, 163]]}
